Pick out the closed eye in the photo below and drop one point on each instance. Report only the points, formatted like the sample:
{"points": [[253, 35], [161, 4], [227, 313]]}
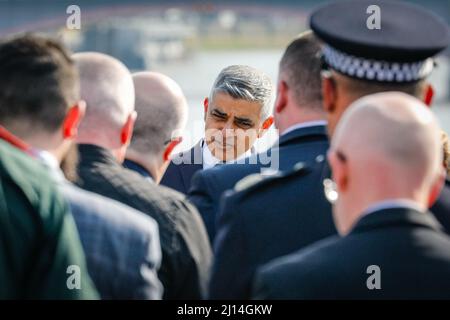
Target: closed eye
{"points": [[219, 115], [243, 124]]}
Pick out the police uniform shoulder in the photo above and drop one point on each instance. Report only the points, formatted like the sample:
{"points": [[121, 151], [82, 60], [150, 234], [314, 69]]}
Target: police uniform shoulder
{"points": [[257, 182]]}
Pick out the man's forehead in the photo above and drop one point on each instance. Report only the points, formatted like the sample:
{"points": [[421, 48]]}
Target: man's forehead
{"points": [[237, 107]]}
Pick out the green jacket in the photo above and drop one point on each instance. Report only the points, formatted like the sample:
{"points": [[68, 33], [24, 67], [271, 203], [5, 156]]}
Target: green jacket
{"points": [[40, 251]]}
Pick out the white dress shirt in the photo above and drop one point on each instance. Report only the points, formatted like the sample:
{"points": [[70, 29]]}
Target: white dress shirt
{"points": [[305, 125], [394, 204], [209, 160], [49, 160]]}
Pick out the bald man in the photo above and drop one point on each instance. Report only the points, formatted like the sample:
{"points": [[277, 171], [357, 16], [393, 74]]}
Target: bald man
{"points": [[162, 110], [391, 246], [110, 116], [104, 135]]}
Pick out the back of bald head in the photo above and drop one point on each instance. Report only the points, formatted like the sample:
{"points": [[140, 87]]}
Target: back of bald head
{"points": [[162, 112], [107, 87], [394, 129]]}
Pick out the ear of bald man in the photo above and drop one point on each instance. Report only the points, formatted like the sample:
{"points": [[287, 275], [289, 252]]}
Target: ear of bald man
{"points": [[170, 147], [69, 129], [127, 130], [72, 120]]}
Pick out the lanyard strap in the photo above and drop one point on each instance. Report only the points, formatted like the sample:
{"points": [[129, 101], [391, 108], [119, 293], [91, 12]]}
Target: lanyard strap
{"points": [[13, 140]]}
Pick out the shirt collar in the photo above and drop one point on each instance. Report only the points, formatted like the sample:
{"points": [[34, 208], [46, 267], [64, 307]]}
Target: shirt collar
{"points": [[49, 160], [393, 204], [305, 125], [132, 165], [210, 161]]}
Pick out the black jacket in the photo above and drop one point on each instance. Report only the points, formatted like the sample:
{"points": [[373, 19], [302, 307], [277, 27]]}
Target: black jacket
{"points": [[441, 208], [207, 187], [271, 218], [186, 252], [408, 247], [179, 176]]}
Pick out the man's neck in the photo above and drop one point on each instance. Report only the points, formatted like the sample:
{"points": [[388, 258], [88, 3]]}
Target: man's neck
{"points": [[299, 118], [39, 142], [390, 197], [117, 152], [145, 164], [393, 203]]}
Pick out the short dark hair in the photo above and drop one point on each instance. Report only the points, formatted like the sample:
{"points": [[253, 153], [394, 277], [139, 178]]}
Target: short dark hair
{"points": [[38, 82], [302, 64]]}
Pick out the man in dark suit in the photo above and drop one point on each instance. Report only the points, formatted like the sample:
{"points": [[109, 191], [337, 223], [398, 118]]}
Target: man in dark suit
{"points": [[105, 132], [237, 113], [350, 73], [258, 233], [299, 118], [108, 229], [179, 176], [392, 248]]}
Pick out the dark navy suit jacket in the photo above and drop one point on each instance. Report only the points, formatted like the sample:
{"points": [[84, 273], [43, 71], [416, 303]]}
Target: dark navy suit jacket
{"points": [[180, 171], [300, 145], [409, 248], [273, 217], [441, 209], [121, 244]]}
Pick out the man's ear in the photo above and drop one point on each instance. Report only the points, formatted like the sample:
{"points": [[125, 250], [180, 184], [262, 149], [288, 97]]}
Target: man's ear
{"points": [[437, 189], [73, 119], [428, 95], [205, 107], [170, 147], [282, 96], [127, 129], [339, 169], [265, 126], [329, 94]]}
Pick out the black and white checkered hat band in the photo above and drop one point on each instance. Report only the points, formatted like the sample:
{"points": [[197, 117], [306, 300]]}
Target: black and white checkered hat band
{"points": [[374, 70]]}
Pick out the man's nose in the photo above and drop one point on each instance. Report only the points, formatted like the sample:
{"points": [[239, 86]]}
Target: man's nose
{"points": [[227, 127]]}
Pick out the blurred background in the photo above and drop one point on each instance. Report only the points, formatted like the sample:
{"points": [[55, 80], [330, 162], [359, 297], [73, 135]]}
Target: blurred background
{"points": [[191, 41]]}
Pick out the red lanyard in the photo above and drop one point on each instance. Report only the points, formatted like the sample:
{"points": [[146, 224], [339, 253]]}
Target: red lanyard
{"points": [[13, 140]]}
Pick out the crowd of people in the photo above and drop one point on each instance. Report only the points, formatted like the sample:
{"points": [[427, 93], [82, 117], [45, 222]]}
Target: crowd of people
{"points": [[94, 204]]}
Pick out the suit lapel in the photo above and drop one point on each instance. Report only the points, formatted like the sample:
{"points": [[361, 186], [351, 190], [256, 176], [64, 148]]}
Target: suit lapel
{"points": [[187, 171]]}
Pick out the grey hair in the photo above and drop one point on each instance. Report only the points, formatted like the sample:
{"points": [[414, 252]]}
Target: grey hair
{"points": [[247, 83]]}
